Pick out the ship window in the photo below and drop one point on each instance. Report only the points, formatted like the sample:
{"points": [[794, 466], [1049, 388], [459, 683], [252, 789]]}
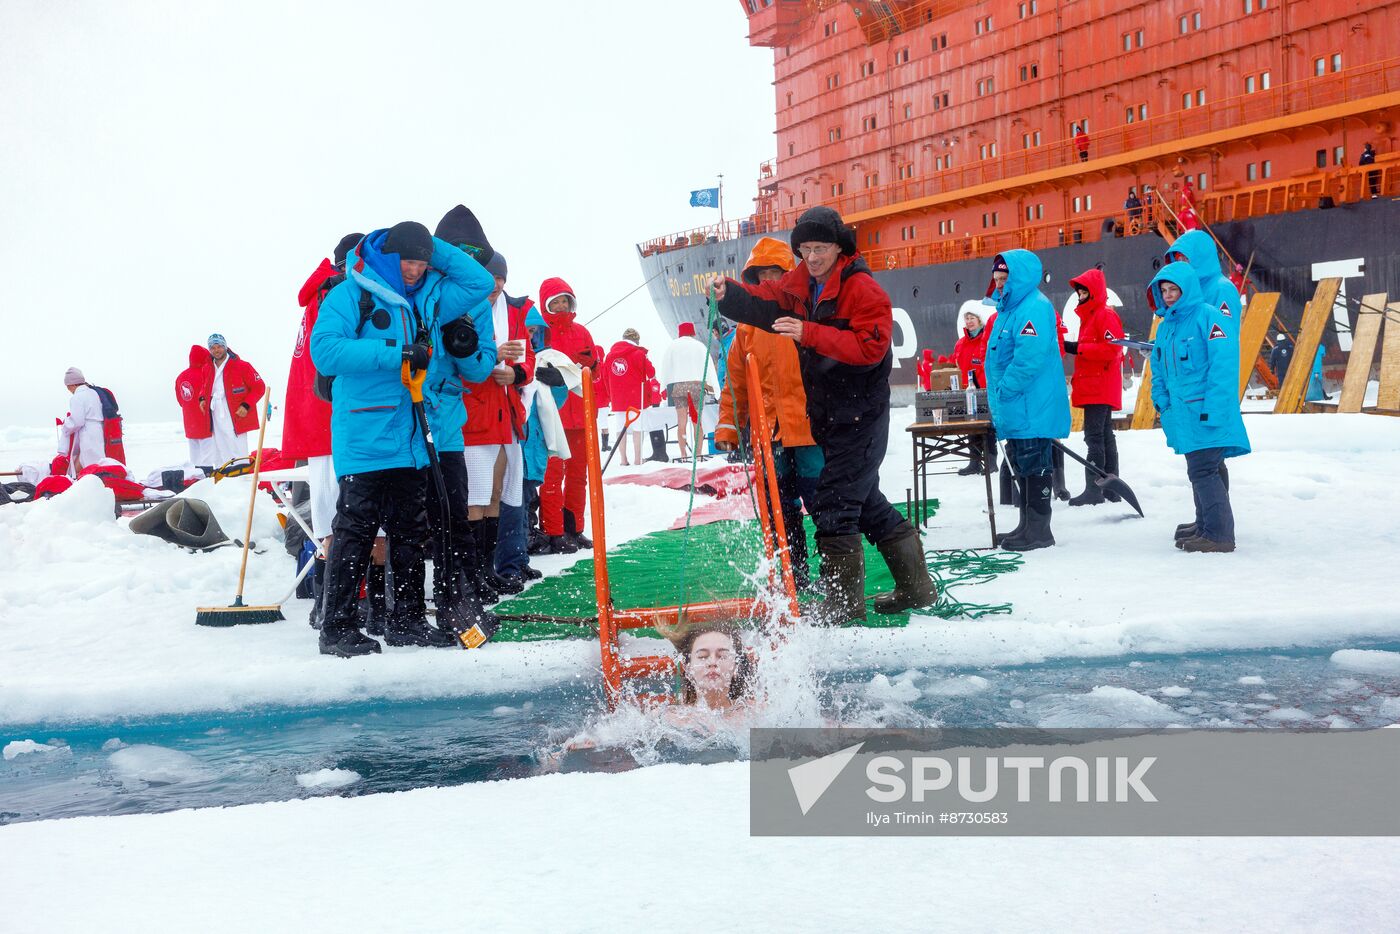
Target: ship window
{"points": [[833, 134], [901, 56], [789, 200], [906, 170], [1030, 71], [872, 180], [1030, 140], [1320, 158], [1142, 111], [1200, 97], [1127, 42], [1137, 38], [789, 98], [1201, 182], [940, 101], [1264, 81], [791, 148], [1320, 66], [868, 123], [833, 81], [804, 197], [940, 41], [982, 26], [1251, 171], [1339, 155], [1267, 168], [908, 111], [838, 189], [908, 233], [989, 219], [1189, 22], [874, 238], [1035, 212], [984, 87], [1336, 61], [829, 30], [867, 69], [1249, 84]]}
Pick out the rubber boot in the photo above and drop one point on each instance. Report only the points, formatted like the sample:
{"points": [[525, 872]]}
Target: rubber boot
{"points": [[658, 447], [376, 605], [1036, 534], [318, 567], [572, 533], [488, 533], [1020, 498], [797, 549], [913, 587], [1061, 491], [474, 563], [1110, 464], [842, 580], [1008, 488], [1092, 495], [604, 445], [347, 643], [973, 468]]}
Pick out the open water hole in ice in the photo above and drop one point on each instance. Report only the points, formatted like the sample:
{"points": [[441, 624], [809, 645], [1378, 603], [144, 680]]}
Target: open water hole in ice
{"points": [[52, 771]]}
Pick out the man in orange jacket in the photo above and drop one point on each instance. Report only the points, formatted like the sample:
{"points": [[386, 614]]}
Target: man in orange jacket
{"points": [[796, 455]]}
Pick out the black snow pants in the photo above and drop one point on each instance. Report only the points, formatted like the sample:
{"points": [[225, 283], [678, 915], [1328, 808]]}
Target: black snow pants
{"points": [[848, 497], [392, 499]]}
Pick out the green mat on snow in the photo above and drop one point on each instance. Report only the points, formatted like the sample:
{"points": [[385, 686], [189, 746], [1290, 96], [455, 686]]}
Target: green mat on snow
{"points": [[716, 563]]}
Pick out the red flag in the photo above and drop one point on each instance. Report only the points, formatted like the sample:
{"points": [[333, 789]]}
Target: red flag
{"points": [[690, 407]]}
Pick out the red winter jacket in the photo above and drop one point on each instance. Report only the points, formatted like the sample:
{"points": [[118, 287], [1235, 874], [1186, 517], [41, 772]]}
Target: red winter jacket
{"points": [[626, 371], [970, 352], [568, 337], [495, 414], [189, 389], [1098, 365], [242, 384], [926, 371], [306, 420]]}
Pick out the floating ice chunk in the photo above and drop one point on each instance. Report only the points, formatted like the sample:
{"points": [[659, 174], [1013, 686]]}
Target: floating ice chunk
{"points": [[1135, 664], [1104, 706], [1390, 707], [113, 744], [1370, 661], [1339, 722], [1288, 714], [881, 688], [157, 765], [1249, 679], [1174, 690], [21, 747], [961, 686], [913, 674], [503, 711], [328, 779]]}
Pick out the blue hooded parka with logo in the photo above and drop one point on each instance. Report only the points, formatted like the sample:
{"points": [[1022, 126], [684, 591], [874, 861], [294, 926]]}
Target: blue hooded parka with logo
{"points": [[1025, 376], [1215, 288]]}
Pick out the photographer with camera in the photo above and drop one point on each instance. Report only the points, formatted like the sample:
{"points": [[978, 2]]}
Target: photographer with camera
{"points": [[418, 287]]}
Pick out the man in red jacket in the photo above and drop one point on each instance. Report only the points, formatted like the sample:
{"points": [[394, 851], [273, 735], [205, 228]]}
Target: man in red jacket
{"points": [[842, 322], [564, 493], [1097, 384], [189, 389], [231, 392], [626, 371]]}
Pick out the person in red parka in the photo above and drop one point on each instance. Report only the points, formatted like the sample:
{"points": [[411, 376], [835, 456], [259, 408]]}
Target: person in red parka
{"points": [[1097, 384], [969, 354], [306, 418], [230, 393], [926, 371], [564, 493], [189, 390], [626, 370]]}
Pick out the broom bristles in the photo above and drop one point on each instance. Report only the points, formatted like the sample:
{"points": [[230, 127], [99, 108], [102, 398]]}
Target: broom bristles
{"points": [[237, 615]]}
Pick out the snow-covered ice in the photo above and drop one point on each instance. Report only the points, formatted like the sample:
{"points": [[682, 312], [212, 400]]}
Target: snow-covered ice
{"points": [[157, 765], [1370, 661], [24, 747], [328, 779]]}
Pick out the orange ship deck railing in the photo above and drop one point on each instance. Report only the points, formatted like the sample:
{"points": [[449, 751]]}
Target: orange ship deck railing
{"points": [[1343, 185], [1294, 98]]}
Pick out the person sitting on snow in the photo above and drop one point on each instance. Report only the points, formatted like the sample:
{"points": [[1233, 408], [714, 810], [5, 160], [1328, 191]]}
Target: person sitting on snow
{"points": [[80, 439]]}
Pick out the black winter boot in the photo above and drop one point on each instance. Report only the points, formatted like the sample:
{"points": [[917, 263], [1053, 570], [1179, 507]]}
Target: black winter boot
{"points": [[973, 468], [658, 447], [1036, 534], [474, 563], [842, 580], [1110, 464], [347, 643], [1092, 495], [560, 545], [604, 445], [797, 548], [376, 606], [1020, 498], [572, 533], [318, 568], [1009, 488], [913, 587], [1185, 530], [1061, 491], [414, 630]]}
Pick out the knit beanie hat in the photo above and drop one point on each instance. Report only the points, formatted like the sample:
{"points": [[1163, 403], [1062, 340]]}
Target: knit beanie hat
{"points": [[497, 266], [999, 265], [346, 244], [74, 377], [631, 335], [685, 329], [410, 240], [216, 339]]}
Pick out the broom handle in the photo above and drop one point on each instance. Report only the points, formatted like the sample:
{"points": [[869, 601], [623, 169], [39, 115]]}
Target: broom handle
{"points": [[252, 500]]}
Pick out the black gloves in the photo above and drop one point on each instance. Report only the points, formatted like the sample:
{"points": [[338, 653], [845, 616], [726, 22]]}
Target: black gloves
{"points": [[459, 338], [548, 375], [1072, 347], [416, 355]]}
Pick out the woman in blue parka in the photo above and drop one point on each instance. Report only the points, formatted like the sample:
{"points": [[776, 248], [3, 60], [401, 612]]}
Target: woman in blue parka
{"points": [[1026, 388], [1195, 389], [414, 290]]}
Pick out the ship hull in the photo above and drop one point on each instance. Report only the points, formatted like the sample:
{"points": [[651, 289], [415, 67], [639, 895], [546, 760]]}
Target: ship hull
{"points": [[1359, 241]]}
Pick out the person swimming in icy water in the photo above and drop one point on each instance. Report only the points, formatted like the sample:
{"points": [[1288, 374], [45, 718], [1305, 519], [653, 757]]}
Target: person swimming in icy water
{"points": [[716, 700]]}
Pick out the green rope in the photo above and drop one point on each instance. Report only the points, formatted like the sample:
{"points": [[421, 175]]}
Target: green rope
{"points": [[712, 318]]}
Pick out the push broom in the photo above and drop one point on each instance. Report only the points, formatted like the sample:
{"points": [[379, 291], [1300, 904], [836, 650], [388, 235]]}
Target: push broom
{"points": [[239, 613]]}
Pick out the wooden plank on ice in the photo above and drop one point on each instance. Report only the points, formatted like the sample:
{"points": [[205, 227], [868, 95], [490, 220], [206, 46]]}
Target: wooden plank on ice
{"points": [[1144, 415], [1390, 360], [1363, 351], [1315, 317], [1253, 329]]}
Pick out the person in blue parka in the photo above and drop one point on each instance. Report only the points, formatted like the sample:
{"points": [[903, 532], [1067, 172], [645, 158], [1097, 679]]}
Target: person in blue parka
{"points": [[1317, 388], [415, 289], [1026, 388], [1198, 249], [1195, 389]]}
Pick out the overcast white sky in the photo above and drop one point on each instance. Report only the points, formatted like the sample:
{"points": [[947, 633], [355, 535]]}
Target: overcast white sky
{"points": [[168, 169]]}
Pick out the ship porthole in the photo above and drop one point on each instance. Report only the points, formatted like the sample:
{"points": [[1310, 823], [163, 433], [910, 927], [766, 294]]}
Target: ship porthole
{"points": [[1156, 264], [1047, 278], [916, 291], [957, 287]]}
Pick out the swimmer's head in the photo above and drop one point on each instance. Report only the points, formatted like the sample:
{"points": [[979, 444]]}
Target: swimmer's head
{"points": [[714, 662]]}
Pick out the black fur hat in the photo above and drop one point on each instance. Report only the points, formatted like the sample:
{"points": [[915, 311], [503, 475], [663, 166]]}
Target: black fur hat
{"points": [[823, 225]]}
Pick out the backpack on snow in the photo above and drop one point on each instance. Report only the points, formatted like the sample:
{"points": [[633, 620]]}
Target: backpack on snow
{"points": [[324, 383]]}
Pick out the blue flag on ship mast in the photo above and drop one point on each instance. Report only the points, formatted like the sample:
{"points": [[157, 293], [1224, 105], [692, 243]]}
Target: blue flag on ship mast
{"points": [[705, 198]]}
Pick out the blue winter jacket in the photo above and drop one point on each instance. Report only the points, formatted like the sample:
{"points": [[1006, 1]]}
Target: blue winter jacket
{"points": [[1025, 377], [442, 390], [536, 455], [1199, 250], [1317, 389], [1195, 369], [373, 426]]}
